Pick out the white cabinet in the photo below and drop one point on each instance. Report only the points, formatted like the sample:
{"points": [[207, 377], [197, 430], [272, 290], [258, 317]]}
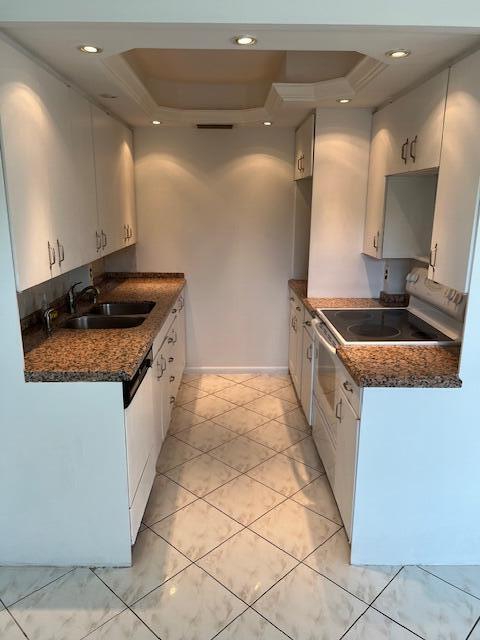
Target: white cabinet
{"points": [[406, 137], [304, 145], [456, 207], [307, 370], [346, 460], [295, 341]]}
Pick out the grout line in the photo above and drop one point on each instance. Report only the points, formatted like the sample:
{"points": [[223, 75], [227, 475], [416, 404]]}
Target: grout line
{"points": [[42, 587], [385, 587], [447, 582], [15, 620], [473, 629]]}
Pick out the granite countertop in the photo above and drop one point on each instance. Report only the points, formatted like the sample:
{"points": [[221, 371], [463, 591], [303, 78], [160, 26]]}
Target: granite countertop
{"points": [[389, 365], [111, 355]]}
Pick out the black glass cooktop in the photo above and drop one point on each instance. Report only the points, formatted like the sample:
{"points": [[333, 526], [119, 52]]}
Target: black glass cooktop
{"points": [[382, 325]]}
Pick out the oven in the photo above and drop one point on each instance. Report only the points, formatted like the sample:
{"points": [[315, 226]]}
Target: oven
{"points": [[326, 401]]}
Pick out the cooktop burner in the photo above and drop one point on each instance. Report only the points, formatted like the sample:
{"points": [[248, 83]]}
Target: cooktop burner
{"points": [[382, 325]]}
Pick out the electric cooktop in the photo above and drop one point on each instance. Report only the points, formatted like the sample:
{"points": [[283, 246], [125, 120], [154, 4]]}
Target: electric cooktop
{"points": [[383, 325]]}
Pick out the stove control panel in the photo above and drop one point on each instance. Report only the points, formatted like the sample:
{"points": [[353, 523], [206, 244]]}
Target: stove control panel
{"points": [[443, 298]]}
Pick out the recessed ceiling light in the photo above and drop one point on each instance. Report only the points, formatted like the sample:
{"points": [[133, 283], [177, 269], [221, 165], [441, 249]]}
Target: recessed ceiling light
{"points": [[90, 48], [267, 123], [344, 100], [398, 53], [156, 122], [244, 40]]}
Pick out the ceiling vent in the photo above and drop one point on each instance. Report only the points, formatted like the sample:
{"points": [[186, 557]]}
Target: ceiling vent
{"points": [[214, 126]]}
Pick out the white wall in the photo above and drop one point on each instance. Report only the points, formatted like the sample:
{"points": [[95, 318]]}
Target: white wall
{"points": [[218, 205], [337, 267]]}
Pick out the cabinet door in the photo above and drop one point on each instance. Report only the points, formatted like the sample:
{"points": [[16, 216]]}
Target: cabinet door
{"points": [[77, 223], [180, 351], [159, 371], [456, 205], [304, 144], [28, 140], [307, 375], [418, 117], [346, 460], [128, 187], [108, 137], [294, 347]]}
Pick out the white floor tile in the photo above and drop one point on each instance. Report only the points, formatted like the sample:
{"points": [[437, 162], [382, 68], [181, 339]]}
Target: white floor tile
{"points": [[191, 606], [428, 606], [332, 560], [209, 407], [239, 394], [270, 407], [375, 626], [187, 393], [9, 630], [247, 565], [165, 498], [295, 419], [318, 497], [125, 626], [305, 451], [240, 420], [286, 393], [296, 530], [18, 582], [251, 626], [244, 499], [206, 436], [283, 474], [239, 377], [173, 453], [242, 453], [307, 606], [183, 419], [463, 577], [153, 562], [267, 384], [202, 475], [211, 383], [196, 529], [276, 435], [67, 609]]}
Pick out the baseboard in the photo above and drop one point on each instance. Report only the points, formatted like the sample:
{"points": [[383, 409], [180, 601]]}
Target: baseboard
{"points": [[253, 369]]}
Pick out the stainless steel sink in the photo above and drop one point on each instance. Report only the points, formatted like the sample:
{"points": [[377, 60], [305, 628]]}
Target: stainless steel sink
{"points": [[122, 308], [103, 322]]}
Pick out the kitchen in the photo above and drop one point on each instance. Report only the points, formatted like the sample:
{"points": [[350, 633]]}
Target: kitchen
{"points": [[240, 298]]}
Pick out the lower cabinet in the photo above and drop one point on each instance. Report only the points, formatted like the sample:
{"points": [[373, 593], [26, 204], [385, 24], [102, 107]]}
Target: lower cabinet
{"points": [[307, 372], [295, 342]]}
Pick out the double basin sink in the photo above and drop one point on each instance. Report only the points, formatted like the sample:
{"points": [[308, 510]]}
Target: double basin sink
{"points": [[112, 315]]}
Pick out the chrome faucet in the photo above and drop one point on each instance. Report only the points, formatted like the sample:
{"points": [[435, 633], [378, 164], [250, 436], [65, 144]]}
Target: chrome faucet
{"points": [[73, 298], [48, 315]]}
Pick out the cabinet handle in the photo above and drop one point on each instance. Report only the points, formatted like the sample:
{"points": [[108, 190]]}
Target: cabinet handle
{"points": [[404, 151], [172, 378], [162, 367], [104, 239], [129, 232], [298, 163], [338, 410], [170, 340], [175, 337], [375, 241], [174, 310], [347, 386], [309, 352], [61, 252], [413, 149], [172, 399], [307, 323], [433, 256], [98, 241], [171, 359], [51, 255], [298, 308], [125, 233], [294, 323], [291, 299]]}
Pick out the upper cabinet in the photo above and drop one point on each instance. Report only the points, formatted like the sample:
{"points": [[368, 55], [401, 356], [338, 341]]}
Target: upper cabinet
{"points": [[52, 176], [304, 145], [456, 207], [406, 138]]}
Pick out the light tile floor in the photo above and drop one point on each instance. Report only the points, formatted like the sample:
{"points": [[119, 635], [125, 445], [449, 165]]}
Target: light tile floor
{"points": [[241, 540]]}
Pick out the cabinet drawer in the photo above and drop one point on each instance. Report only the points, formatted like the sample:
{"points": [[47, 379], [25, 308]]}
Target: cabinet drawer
{"points": [[350, 390], [141, 497]]}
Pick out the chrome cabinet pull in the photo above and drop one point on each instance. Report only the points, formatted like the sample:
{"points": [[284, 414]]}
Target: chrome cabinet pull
{"points": [[171, 359], [347, 386], [375, 240], [169, 340], [298, 308], [61, 252], [172, 378], [174, 310], [338, 410], [413, 148], [104, 239], [309, 352], [172, 399], [291, 299], [404, 151], [51, 254], [98, 241], [125, 233], [307, 323], [175, 337]]}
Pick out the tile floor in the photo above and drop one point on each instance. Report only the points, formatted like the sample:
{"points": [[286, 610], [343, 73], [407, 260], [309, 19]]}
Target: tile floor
{"points": [[241, 540]]}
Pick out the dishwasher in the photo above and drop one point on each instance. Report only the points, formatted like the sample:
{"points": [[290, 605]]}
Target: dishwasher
{"points": [[139, 436]]}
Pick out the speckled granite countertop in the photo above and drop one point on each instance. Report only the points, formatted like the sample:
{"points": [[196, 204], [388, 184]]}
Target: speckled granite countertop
{"points": [[111, 355], [389, 366]]}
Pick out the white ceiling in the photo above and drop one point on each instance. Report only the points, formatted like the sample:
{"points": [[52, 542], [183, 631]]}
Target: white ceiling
{"points": [[108, 73]]}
